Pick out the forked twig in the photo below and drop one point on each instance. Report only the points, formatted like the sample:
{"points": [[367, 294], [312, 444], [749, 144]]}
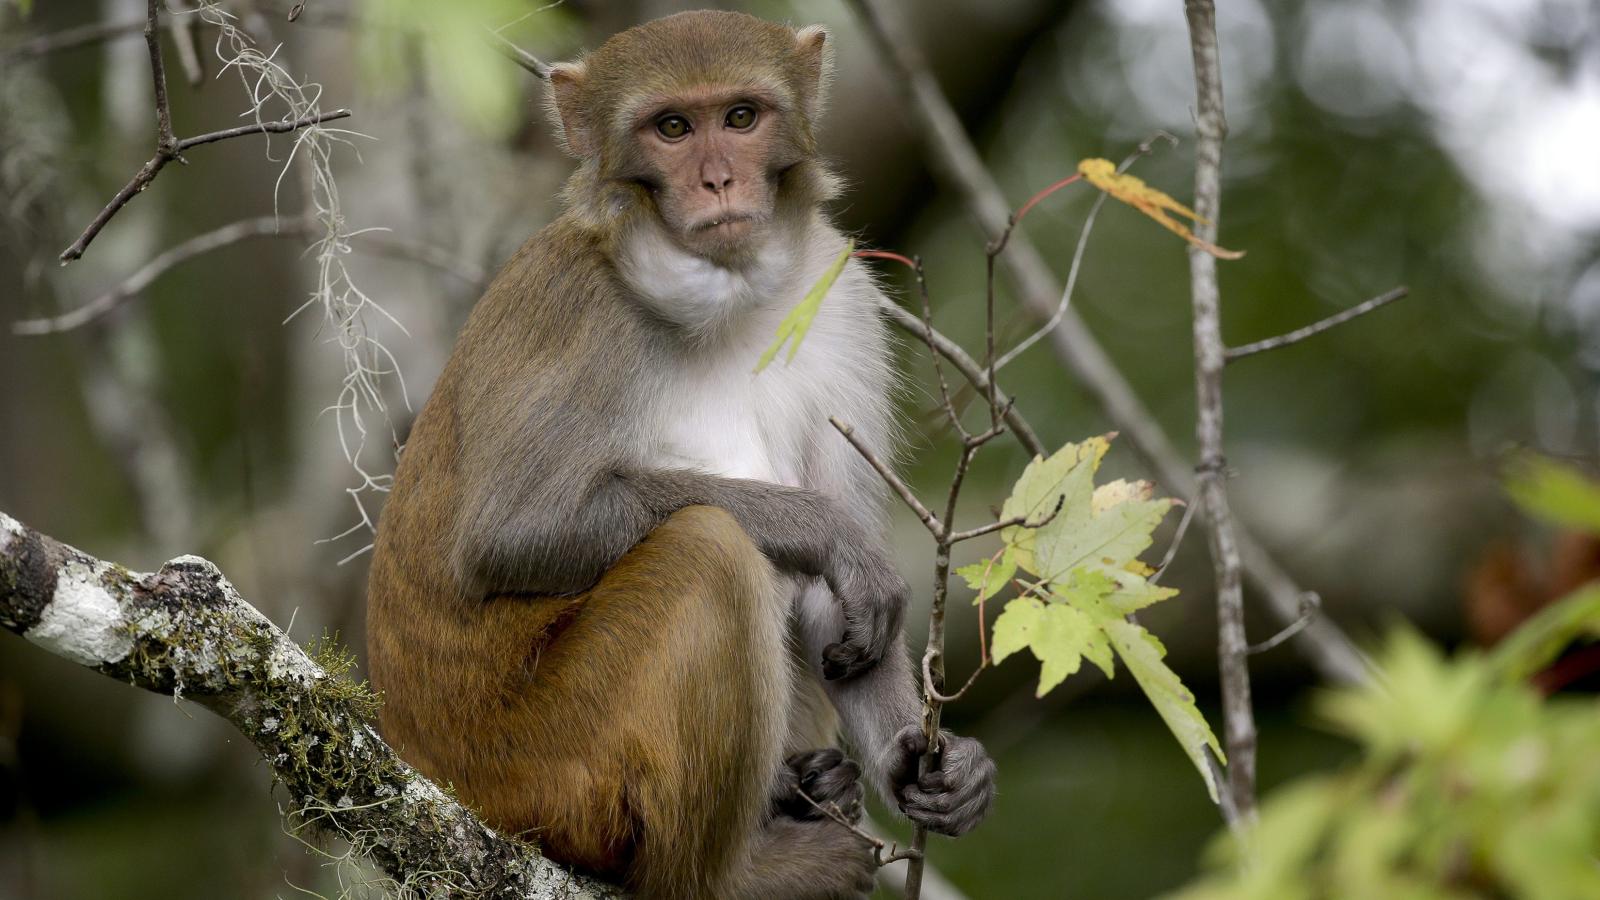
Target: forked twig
{"points": [[832, 811]]}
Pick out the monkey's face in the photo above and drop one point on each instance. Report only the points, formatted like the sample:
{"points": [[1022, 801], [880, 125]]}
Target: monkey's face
{"points": [[711, 161], [706, 118]]}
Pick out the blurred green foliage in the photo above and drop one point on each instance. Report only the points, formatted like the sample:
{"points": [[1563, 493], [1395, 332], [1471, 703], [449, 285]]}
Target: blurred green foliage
{"points": [[1471, 783], [448, 45]]}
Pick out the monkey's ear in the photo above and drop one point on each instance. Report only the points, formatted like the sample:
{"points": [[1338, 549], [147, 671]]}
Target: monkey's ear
{"points": [[567, 108], [813, 54]]}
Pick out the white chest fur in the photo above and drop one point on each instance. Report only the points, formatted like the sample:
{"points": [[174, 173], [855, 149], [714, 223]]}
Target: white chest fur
{"points": [[716, 414]]}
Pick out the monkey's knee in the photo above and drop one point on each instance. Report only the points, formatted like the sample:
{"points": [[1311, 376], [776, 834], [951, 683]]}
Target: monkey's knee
{"points": [[708, 547]]}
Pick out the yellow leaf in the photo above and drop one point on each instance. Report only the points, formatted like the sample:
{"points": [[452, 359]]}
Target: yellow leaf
{"points": [[1103, 174], [798, 321]]}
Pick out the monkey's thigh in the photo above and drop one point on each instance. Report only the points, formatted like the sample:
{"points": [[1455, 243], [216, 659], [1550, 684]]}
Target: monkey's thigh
{"points": [[652, 721]]}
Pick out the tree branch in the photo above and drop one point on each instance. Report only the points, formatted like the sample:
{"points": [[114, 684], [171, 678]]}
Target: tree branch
{"points": [[955, 157], [1239, 726], [168, 146], [227, 235], [185, 631], [1300, 334]]}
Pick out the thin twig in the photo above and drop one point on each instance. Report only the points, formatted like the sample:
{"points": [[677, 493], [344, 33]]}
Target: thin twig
{"points": [[1310, 604], [832, 811], [1145, 148], [1211, 127], [1177, 540], [969, 368], [932, 691], [525, 60], [172, 151], [956, 158], [1014, 521], [227, 235], [1300, 334], [279, 127], [72, 38], [923, 513]]}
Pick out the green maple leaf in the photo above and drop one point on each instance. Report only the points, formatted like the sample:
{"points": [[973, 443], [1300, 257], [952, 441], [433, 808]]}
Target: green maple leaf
{"points": [[1059, 635], [989, 576], [1089, 578], [1144, 656], [1065, 477]]}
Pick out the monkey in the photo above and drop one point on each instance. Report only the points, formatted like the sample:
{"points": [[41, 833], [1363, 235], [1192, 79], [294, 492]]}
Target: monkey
{"points": [[625, 590]]}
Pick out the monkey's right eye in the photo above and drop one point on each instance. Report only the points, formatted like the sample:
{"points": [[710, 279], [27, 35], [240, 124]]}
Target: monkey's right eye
{"points": [[672, 127]]}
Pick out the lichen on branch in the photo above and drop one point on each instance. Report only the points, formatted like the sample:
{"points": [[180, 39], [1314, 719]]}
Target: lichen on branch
{"points": [[185, 631]]}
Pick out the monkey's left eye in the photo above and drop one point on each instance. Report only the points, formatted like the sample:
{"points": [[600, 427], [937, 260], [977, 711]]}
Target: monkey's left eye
{"points": [[741, 117]]}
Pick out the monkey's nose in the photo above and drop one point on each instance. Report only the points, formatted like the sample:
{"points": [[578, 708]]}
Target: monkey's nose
{"points": [[718, 185]]}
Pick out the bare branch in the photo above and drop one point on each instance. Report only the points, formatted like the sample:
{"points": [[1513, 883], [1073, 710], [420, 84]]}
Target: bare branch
{"points": [[1239, 727], [1177, 541], [527, 61], [172, 151], [969, 368], [72, 39], [1310, 605], [832, 811], [955, 157], [262, 128], [227, 235], [168, 147], [185, 631], [1014, 521], [1300, 334], [923, 513]]}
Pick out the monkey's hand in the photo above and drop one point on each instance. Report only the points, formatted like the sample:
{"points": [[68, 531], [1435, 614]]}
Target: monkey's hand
{"points": [[955, 795], [827, 777], [873, 597]]}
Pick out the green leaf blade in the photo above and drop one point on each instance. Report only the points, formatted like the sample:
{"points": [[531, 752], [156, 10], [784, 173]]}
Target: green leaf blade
{"points": [[797, 323]]}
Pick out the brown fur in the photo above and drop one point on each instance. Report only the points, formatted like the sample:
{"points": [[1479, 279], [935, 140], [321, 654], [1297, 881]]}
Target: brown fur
{"points": [[628, 710]]}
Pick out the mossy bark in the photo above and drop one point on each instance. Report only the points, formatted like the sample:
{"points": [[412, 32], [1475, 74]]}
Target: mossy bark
{"points": [[186, 631]]}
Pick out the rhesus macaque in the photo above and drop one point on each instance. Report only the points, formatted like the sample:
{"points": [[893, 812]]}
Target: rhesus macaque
{"points": [[625, 589]]}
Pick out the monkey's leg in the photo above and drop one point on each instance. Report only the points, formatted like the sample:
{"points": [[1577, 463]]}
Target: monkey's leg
{"points": [[642, 737], [807, 859]]}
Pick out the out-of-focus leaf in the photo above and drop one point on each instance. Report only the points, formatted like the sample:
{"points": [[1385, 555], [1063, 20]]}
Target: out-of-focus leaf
{"points": [[795, 325], [1557, 493], [1470, 784], [444, 46], [1103, 174], [1537, 642]]}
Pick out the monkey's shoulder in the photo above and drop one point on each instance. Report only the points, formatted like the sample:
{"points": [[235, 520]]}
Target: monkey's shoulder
{"points": [[558, 296]]}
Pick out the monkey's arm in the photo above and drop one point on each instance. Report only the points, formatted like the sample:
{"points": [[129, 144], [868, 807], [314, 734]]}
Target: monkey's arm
{"points": [[559, 540]]}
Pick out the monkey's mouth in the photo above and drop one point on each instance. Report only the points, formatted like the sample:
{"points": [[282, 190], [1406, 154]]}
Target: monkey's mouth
{"points": [[726, 223]]}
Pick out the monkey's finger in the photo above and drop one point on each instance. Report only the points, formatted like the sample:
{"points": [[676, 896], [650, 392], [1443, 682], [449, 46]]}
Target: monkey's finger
{"points": [[951, 824], [928, 802], [840, 660], [908, 746]]}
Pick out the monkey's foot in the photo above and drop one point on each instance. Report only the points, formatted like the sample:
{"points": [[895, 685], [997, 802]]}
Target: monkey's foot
{"points": [[826, 776]]}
